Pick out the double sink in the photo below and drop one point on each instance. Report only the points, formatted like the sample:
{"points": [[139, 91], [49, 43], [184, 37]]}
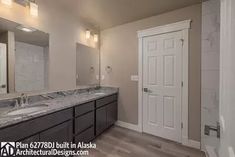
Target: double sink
{"points": [[27, 108]]}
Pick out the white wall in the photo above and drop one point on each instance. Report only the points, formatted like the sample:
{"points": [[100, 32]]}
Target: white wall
{"points": [[65, 31], [30, 66], [210, 69]]}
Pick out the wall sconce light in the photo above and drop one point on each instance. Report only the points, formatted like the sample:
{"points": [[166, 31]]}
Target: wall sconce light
{"points": [[88, 34], [96, 38], [33, 9], [7, 2]]}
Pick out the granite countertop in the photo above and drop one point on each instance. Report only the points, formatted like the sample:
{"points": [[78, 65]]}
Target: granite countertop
{"points": [[56, 104]]}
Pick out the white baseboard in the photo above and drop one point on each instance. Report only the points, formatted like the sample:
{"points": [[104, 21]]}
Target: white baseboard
{"points": [[191, 143], [194, 144], [186, 142], [128, 126]]}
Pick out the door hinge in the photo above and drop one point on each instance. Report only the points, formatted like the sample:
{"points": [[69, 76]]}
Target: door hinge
{"points": [[182, 125], [182, 83]]}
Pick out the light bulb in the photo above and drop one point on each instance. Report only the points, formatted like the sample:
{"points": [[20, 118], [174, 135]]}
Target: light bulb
{"points": [[33, 9], [96, 38], [88, 34], [7, 2]]}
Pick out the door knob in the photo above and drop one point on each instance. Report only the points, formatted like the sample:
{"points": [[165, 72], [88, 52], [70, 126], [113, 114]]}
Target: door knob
{"points": [[3, 86], [146, 90]]}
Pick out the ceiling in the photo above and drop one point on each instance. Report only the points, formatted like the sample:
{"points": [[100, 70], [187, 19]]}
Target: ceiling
{"points": [[104, 14]]}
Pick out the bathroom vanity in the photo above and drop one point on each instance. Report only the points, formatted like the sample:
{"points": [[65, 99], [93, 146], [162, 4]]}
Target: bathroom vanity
{"points": [[74, 118], [62, 116]]}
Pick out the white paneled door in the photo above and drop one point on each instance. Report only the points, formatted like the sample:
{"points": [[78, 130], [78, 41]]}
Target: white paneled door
{"points": [[3, 69], [162, 82]]}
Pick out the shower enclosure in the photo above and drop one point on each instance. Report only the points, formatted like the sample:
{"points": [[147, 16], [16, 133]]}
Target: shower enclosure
{"points": [[210, 76]]}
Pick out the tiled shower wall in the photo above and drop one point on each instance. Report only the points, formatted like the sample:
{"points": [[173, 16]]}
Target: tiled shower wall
{"points": [[30, 67], [210, 69]]}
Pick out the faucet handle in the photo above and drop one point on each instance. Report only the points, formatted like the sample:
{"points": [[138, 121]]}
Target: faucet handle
{"points": [[26, 100], [21, 99]]}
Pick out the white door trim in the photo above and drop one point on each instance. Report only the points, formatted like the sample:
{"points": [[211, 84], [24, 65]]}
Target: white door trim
{"points": [[226, 105], [183, 26], [3, 66]]}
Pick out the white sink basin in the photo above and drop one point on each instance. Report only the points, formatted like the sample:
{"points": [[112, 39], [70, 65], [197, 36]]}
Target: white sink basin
{"points": [[100, 93], [27, 110]]}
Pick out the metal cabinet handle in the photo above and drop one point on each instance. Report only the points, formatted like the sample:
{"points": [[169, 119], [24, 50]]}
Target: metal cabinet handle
{"points": [[208, 128]]}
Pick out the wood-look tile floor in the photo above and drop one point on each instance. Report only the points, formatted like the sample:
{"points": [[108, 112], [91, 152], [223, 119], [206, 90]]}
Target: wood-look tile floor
{"points": [[120, 142]]}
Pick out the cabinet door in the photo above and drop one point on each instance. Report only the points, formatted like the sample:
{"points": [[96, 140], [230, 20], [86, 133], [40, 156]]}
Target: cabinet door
{"points": [[34, 138], [84, 122], [111, 113], [59, 133], [28, 140], [86, 136], [101, 120]]}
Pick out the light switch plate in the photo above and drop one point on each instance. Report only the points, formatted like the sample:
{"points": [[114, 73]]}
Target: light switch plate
{"points": [[134, 78]]}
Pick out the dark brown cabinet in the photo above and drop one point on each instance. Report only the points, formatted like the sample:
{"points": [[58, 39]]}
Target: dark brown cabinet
{"points": [[84, 122], [106, 113], [81, 123], [59, 133], [85, 136], [34, 138], [111, 114], [23, 130], [101, 120]]}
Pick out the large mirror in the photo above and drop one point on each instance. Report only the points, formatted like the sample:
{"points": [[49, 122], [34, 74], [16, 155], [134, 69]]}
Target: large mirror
{"points": [[87, 70], [24, 55]]}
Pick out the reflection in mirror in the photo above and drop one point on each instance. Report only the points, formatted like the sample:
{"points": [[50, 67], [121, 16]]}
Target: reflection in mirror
{"points": [[87, 71], [24, 55]]}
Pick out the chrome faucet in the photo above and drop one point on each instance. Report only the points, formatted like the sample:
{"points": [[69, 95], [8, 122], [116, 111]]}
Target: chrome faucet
{"points": [[22, 101]]}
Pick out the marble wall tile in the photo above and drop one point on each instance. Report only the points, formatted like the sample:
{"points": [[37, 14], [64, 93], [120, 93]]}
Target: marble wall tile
{"points": [[210, 69], [210, 7], [29, 67], [210, 61], [210, 79]]}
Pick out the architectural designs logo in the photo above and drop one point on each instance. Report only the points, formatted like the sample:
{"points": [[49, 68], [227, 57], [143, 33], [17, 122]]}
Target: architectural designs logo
{"points": [[7, 149]]}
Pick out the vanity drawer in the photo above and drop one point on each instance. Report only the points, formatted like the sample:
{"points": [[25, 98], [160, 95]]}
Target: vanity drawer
{"points": [[60, 133], [25, 129], [34, 138], [86, 136], [106, 100], [84, 108], [83, 122]]}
